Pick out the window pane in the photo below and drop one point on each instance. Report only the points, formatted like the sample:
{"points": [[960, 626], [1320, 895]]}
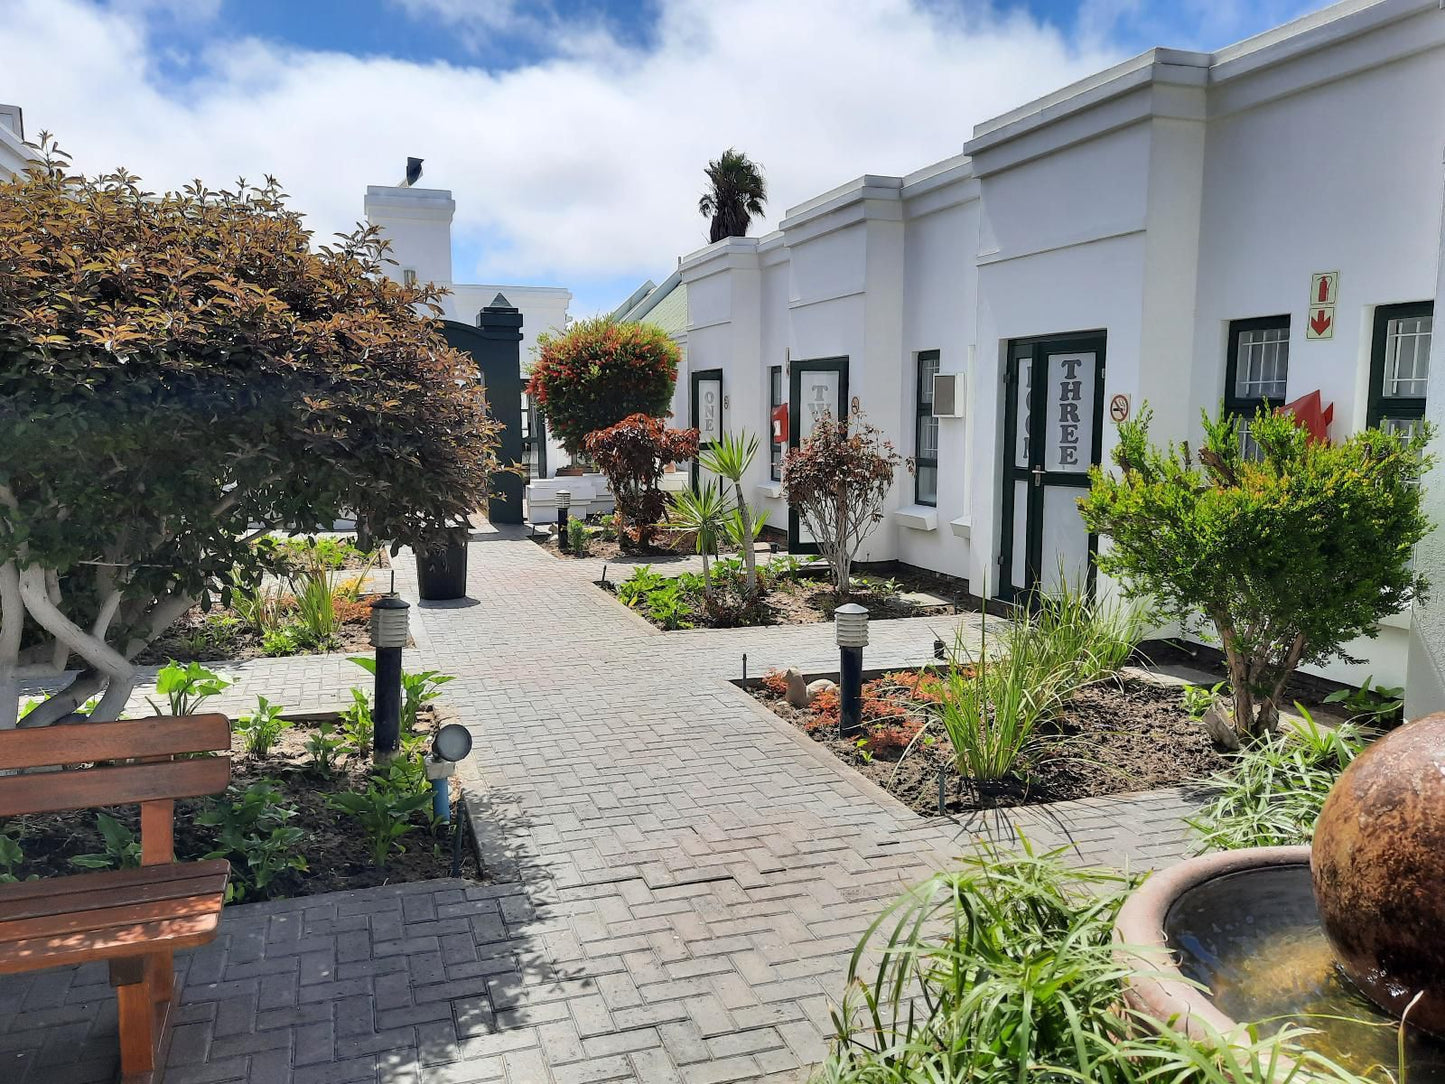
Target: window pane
{"points": [[927, 485], [927, 437], [927, 370], [1407, 357], [1262, 364], [1247, 447]]}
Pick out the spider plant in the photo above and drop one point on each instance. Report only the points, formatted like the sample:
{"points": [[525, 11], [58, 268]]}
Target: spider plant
{"points": [[703, 510]]}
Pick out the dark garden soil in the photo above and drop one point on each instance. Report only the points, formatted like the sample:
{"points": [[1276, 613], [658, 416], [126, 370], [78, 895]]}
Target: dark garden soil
{"points": [[610, 550], [1305, 689], [221, 636], [335, 847], [1115, 737]]}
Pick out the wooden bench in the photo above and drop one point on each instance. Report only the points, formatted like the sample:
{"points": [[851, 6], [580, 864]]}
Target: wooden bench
{"points": [[134, 918]]}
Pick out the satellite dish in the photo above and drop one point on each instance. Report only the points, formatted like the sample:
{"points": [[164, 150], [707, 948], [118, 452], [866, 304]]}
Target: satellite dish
{"points": [[413, 172]]}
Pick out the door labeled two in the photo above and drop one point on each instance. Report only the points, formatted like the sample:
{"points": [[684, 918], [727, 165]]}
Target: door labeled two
{"points": [[1053, 409]]}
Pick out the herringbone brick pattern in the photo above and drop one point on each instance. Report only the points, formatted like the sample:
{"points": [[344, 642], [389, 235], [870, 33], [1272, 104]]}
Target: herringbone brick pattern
{"points": [[676, 878]]}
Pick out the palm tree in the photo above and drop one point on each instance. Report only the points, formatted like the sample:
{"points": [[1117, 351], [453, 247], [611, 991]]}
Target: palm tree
{"points": [[730, 459], [735, 195], [703, 511]]}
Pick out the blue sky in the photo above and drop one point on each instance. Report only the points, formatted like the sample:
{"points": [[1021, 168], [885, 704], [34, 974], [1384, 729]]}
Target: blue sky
{"points": [[571, 132]]}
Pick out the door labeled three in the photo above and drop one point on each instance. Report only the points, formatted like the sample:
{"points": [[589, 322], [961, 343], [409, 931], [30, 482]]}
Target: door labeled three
{"points": [[1053, 407]]}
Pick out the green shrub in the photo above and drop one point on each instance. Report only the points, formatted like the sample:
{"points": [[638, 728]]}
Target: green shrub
{"points": [[578, 537], [252, 834], [1272, 793], [1289, 557], [324, 747], [384, 810], [122, 849], [186, 687], [1002, 971], [358, 726], [262, 727]]}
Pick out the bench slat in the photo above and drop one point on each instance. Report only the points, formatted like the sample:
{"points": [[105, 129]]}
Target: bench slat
{"points": [[184, 879], [117, 941], [105, 880], [163, 735], [52, 792], [204, 898]]}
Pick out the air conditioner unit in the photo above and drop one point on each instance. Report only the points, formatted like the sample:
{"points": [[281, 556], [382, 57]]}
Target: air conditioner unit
{"points": [[950, 390]]}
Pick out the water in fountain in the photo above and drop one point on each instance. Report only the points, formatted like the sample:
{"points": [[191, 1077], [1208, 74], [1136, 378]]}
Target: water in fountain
{"points": [[1254, 939]]}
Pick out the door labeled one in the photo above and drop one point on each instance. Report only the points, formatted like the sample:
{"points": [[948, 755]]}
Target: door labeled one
{"points": [[707, 410], [1053, 408], [815, 388]]}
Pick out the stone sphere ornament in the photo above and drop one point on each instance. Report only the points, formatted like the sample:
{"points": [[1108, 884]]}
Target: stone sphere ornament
{"points": [[1378, 865]]}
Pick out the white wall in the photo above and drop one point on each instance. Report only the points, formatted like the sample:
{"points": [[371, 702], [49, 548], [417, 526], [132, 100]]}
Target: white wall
{"points": [[1155, 202]]}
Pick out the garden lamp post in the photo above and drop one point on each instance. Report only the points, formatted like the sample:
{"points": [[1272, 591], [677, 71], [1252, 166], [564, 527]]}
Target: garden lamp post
{"points": [[850, 627], [564, 504], [452, 743], [389, 633]]}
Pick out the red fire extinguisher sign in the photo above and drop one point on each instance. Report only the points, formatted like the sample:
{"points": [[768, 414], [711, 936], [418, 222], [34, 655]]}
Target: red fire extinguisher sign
{"points": [[780, 423]]}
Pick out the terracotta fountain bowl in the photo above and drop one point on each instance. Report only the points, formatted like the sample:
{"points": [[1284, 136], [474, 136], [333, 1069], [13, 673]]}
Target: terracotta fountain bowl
{"points": [[1378, 865]]}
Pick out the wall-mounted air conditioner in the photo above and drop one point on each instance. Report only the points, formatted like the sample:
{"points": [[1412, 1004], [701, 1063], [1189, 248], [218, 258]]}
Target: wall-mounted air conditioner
{"points": [[950, 390]]}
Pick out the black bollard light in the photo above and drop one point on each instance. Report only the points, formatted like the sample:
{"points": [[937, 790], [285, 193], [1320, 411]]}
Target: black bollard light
{"points": [[389, 631], [564, 504], [850, 627]]}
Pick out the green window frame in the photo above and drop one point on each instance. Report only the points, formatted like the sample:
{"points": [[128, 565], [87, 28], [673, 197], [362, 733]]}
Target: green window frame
{"points": [[775, 400], [1256, 370], [1399, 364], [925, 431]]}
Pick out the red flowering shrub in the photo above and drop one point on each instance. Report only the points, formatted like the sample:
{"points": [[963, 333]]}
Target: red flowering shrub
{"points": [[599, 372], [836, 481], [775, 682], [631, 454]]}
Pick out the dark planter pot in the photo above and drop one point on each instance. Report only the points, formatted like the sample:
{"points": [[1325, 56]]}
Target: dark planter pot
{"points": [[442, 573]]}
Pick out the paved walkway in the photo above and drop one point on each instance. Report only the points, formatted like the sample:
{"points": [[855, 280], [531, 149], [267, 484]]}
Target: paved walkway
{"points": [[676, 877]]}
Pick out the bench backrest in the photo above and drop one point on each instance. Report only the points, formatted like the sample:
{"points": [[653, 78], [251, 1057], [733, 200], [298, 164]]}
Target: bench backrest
{"points": [[151, 778]]}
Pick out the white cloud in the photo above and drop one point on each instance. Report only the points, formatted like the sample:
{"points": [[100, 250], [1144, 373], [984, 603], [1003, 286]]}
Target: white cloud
{"points": [[583, 166]]}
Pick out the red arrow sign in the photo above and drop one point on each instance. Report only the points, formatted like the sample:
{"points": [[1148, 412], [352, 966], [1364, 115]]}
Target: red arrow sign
{"points": [[1320, 322]]}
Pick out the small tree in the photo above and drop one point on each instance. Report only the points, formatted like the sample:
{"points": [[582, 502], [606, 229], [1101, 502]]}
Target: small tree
{"points": [[730, 458], [837, 480], [599, 372], [704, 512], [180, 374], [632, 454], [1289, 557]]}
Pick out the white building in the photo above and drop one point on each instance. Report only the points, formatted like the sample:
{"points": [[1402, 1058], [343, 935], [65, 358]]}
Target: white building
{"points": [[1153, 233], [15, 156], [418, 222]]}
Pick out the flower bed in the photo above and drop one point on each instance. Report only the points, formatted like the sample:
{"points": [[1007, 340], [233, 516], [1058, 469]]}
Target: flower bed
{"points": [[1111, 737], [788, 595], [306, 811]]}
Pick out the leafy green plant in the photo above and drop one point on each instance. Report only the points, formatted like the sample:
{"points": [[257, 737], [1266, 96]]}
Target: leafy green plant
{"points": [[122, 849], [10, 857], [384, 812], [730, 459], [315, 604], [1375, 703], [418, 687], [357, 725], [323, 746], [1078, 634], [253, 834], [1196, 699], [258, 604], [702, 510], [664, 599], [262, 727], [1003, 971], [1272, 793], [282, 641], [579, 538], [186, 687], [1289, 556]]}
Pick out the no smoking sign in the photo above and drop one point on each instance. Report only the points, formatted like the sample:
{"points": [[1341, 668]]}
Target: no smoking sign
{"points": [[1119, 408]]}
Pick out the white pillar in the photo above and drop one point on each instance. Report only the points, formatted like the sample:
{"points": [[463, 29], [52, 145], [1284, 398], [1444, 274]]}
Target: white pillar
{"points": [[1425, 676]]}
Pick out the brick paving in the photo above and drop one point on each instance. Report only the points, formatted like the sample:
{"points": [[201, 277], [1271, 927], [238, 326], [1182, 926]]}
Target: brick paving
{"points": [[675, 876]]}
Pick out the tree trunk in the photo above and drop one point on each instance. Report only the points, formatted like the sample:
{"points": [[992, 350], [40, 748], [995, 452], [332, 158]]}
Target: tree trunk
{"points": [[750, 559]]}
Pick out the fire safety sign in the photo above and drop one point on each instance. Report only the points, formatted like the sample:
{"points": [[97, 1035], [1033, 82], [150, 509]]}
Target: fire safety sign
{"points": [[1320, 316]]}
